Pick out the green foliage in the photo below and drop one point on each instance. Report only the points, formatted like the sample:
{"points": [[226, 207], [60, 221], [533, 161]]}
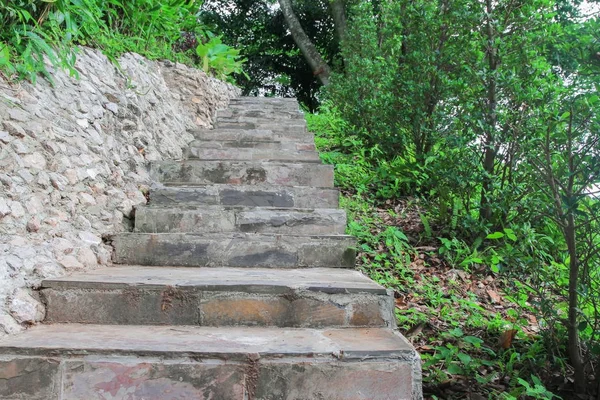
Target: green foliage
{"points": [[537, 390], [219, 58], [275, 66], [527, 251], [36, 33], [487, 112]]}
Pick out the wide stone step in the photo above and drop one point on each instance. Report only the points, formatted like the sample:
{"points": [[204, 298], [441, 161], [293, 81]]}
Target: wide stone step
{"points": [[273, 108], [234, 250], [207, 219], [133, 295], [254, 135], [266, 119], [253, 144], [98, 362], [262, 113], [281, 127], [198, 172], [245, 195], [264, 102], [245, 154]]}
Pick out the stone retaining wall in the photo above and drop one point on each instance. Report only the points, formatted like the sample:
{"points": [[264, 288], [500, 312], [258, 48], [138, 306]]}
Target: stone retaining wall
{"points": [[73, 163]]}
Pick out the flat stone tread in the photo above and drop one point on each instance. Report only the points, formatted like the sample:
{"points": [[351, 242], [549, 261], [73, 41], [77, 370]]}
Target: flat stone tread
{"points": [[330, 280], [250, 163], [219, 207], [207, 342], [221, 236], [241, 187]]}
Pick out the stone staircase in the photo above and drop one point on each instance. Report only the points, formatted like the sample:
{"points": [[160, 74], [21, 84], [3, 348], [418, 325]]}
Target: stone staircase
{"points": [[235, 284]]}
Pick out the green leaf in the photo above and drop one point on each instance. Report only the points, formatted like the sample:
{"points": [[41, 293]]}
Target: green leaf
{"points": [[495, 235], [510, 234], [4, 56], [455, 369], [456, 332], [464, 358], [475, 341]]}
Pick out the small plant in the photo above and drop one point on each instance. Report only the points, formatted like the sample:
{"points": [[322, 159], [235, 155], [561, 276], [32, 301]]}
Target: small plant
{"points": [[218, 58]]}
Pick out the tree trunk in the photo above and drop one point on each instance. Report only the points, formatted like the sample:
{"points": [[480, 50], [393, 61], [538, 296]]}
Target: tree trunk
{"points": [[485, 209], [338, 12], [574, 348], [319, 67]]}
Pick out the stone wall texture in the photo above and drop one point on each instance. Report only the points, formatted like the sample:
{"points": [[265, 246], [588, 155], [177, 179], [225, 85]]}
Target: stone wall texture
{"points": [[73, 163]]}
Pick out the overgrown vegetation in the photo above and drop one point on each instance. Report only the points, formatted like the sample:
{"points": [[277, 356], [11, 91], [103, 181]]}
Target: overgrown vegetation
{"points": [[35, 32], [481, 116], [487, 314]]}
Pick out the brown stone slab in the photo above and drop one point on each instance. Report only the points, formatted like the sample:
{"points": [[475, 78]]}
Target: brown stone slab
{"points": [[335, 381], [29, 378], [255, 280], [244, 195], [217, 343], [190, 172], [151, 380], [250, 250]]}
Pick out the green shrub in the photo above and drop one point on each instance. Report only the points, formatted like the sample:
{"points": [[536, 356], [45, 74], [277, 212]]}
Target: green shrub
{"points": [[35, 31]]}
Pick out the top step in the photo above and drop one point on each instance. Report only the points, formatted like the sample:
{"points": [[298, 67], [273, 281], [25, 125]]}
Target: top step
{"points": [[263, 100], [259, 103]]}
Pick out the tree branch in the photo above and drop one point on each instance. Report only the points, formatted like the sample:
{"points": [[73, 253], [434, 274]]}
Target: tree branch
{"points": [[319, 67]]}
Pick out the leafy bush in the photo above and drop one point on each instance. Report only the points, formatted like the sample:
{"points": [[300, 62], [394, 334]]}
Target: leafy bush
{"points": [[219, 58], [36, 31]]}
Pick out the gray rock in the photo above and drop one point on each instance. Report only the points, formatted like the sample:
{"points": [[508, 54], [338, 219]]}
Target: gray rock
{"points": [[9, 325], [18, 114], [25, 308], [14, 129], [17, 209], [33, 225], [26, 175], [89, 238], [35, 161], [5, 137], [20, 147], [112, 107], [70, 262], [4, 207]]}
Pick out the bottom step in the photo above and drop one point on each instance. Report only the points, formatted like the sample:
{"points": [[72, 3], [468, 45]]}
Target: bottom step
{"points": [[76, 362]]}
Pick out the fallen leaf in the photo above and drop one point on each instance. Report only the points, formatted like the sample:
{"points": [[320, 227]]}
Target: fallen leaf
{"points": [[495, 297], [415, 330], [506, 338], [400, 303]]}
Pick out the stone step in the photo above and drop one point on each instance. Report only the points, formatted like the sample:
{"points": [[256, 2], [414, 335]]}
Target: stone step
{"points": [[266, 119], [274, 108], [256, 99], [196, 172], [263, 101], [132, 295], [234, 250], [96, 362], [253, 144], [245, 195], [215, 219], [282, 127], [250, 154], [261, 113], [253, 135]]}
